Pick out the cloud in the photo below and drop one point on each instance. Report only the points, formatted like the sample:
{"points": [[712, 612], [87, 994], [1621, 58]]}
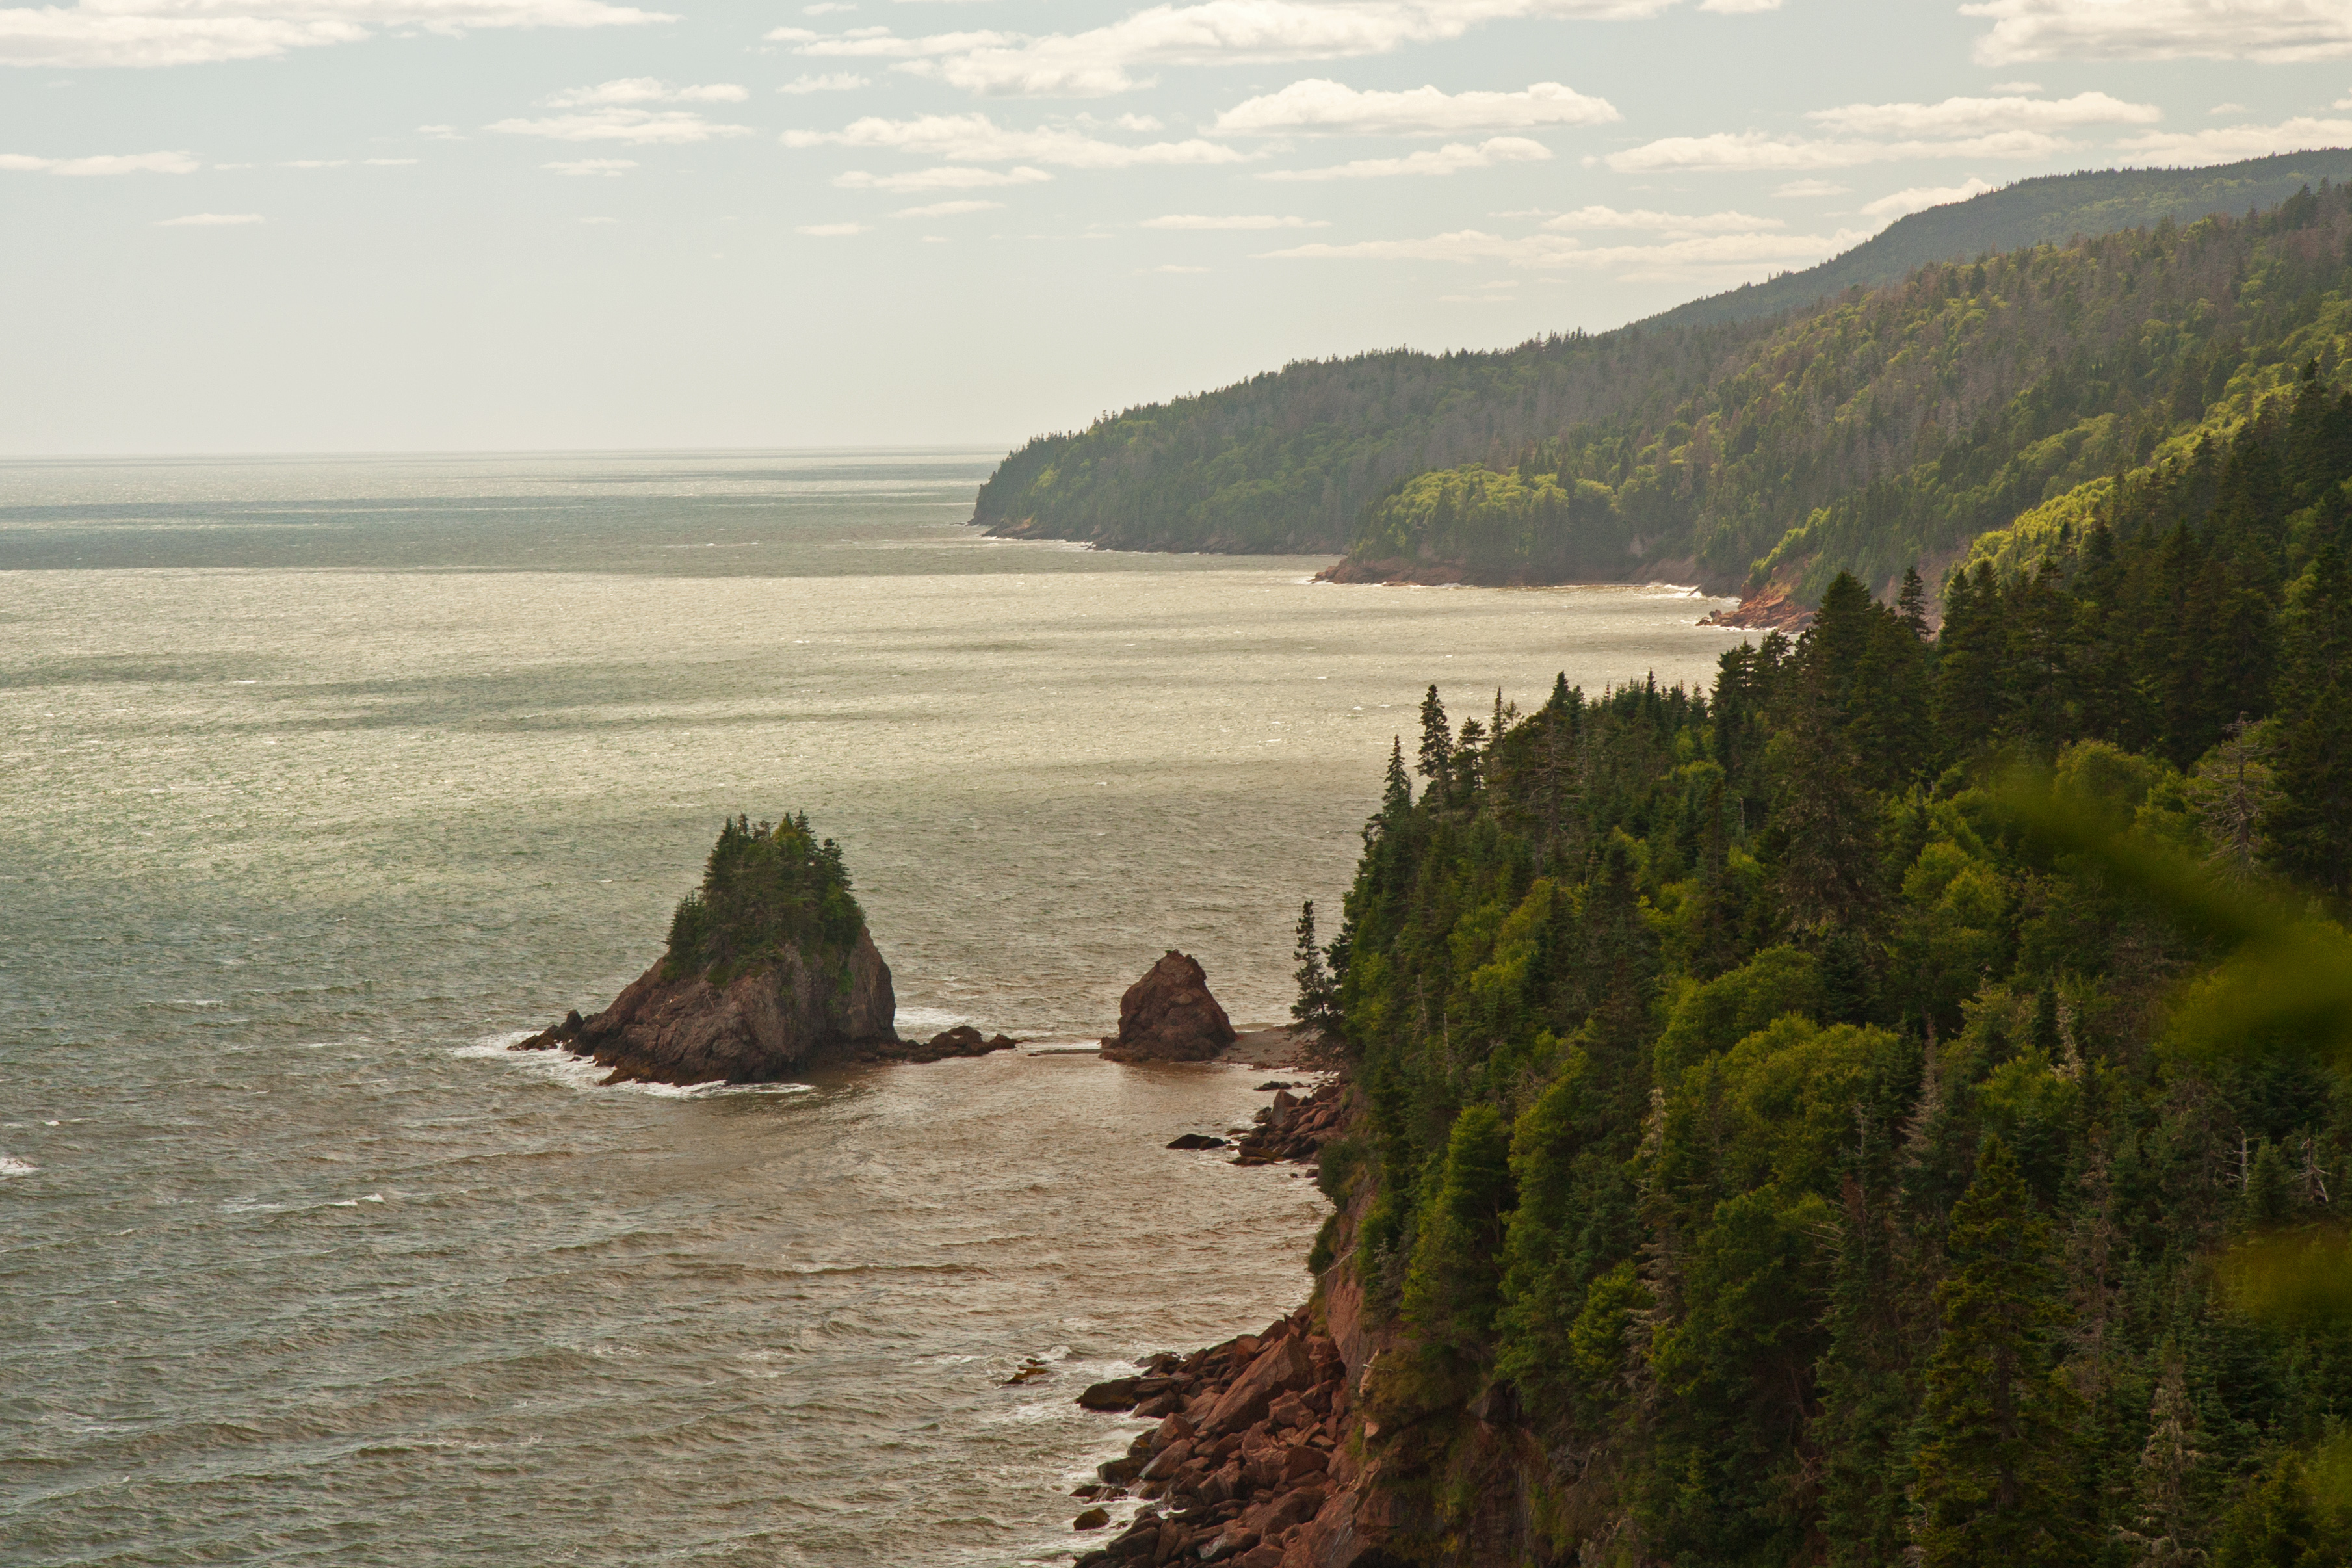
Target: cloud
{"points": [[390, 163], [1450, 159], [1660, 223], [1739, 8], [1752, 149], [1920, 197], [630, 90], [153, 33], [1237, 221], [2271, 31], [831, 230], [1811, 188], [1978, 116], [2225, 143], [826, 7], [2017, 87], [208, 220], [1318, 106], [963, 178], [618, 111], [1172, 266], [103, 164], [946, 209], [976, 139], [315, 163], [440, 132], [1710, 253], [1108, 59], [608, 168], [2241, 108], [833, 81]]}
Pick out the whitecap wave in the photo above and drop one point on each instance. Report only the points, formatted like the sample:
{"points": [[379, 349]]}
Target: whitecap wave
{"points": [[12, 1166], [922, 1021], [584, 1073]]}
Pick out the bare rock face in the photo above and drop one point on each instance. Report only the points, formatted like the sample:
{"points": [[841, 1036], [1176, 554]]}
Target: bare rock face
{"points": [[778, 1020], [1169, 1016]]}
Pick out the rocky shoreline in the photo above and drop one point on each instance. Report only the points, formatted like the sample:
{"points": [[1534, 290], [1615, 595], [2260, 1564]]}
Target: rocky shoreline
{"points": [[1258, 1448]]}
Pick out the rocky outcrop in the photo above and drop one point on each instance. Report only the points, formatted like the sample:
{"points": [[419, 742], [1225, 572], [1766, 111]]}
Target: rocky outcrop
{"points": [[1771, 608], [1294, 1129], [777, 1020], [1169, 1015]]}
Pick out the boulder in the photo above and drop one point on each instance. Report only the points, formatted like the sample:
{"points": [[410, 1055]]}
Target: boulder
{"points": [[1169, 1015], [1279, 1368], [776, 1020], [1197, 1141]]}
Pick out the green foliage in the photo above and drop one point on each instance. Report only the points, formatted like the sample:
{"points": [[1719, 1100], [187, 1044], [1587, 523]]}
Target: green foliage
{"points": [[1290, 460], [1990, 403], [766, 887], [1791, 1169]]}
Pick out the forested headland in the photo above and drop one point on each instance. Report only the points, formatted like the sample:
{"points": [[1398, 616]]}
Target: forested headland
{"points": [[1878, 428], [1825, 1119]]}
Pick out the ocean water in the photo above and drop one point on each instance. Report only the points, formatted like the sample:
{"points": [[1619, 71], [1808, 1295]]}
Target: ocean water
{"points": [[322, 779]]}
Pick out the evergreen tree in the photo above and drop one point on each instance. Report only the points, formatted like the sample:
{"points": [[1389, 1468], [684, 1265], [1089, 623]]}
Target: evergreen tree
{"points": [[1317, 1004], [2309, 827], [1396, 795], [1911, 602], [1999, 1480], [1437, 745]]}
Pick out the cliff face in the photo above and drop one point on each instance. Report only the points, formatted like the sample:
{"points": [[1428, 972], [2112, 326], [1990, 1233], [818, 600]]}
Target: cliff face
{"points": [[758, 1028]]}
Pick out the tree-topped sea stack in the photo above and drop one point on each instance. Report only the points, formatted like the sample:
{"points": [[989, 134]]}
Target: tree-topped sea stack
{"points": [[769, 970]]}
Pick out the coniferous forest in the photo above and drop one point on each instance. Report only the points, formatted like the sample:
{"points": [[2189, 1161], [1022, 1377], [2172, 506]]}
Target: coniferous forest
{"points": [[1825, 1119]]}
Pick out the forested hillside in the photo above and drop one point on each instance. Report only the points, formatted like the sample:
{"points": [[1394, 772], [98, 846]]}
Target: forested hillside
{"points": [[1289, 460], [2052, 209], [1900, 426], [1787, 1137]]}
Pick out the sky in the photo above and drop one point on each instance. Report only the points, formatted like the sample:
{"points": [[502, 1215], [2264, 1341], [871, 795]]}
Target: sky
{"points": [[302, 226]]}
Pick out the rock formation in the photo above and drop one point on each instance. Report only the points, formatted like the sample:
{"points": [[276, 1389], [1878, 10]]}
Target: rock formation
{"points": [[1169, 1016], [778, 1020]]}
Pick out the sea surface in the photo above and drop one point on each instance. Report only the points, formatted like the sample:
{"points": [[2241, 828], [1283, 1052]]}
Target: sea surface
{"points": [[324, 779]]}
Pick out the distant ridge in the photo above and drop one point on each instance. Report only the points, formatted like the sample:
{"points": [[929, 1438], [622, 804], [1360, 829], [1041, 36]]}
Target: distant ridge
{"points": [[2048, 209]]}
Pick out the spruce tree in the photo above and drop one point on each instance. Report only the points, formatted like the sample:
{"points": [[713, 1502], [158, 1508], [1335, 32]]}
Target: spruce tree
{"points": [[1437, 745], [1318, 1005], [1998, 1474], [1911, 604]]}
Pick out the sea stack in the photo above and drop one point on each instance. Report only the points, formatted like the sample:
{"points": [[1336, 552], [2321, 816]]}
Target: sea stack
{"points": [[1169, 1015], [770, 972]]}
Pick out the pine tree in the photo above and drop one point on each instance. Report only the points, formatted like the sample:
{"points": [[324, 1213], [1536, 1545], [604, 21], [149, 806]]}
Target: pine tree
{"points": [[2309, 827], [1911, 604], [1436, 746], [1318, 1007], [1998, 1473], [1396, 798]]}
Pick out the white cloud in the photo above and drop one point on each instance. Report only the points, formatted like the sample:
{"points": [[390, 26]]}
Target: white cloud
{"points": [[1977, 116], [390, 163], [1708, 255], [1450, 159], [946, 209], [1318, 105], [618, 111], [208, 220], [1918, 198], [103, 164], [1106, 60], [2272, 31], [1739, 8], [1811, 188], [1754, 149], [2225, 143], [2017, 87], [1660, 223], [976, 139], [955, 178], [631, 90], [1236, 221], [440, 132], [2241, 108], [831, 230], [592, 168], [832, 81], [315, 163], [1172, 266], [826, 8], [143, 33]]}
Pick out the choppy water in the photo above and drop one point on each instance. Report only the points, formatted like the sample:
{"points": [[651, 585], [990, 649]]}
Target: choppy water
{"points": [[319, 779]]}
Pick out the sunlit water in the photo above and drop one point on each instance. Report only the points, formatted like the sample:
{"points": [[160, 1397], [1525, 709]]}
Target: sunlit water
{"points": [[323, 778]]}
